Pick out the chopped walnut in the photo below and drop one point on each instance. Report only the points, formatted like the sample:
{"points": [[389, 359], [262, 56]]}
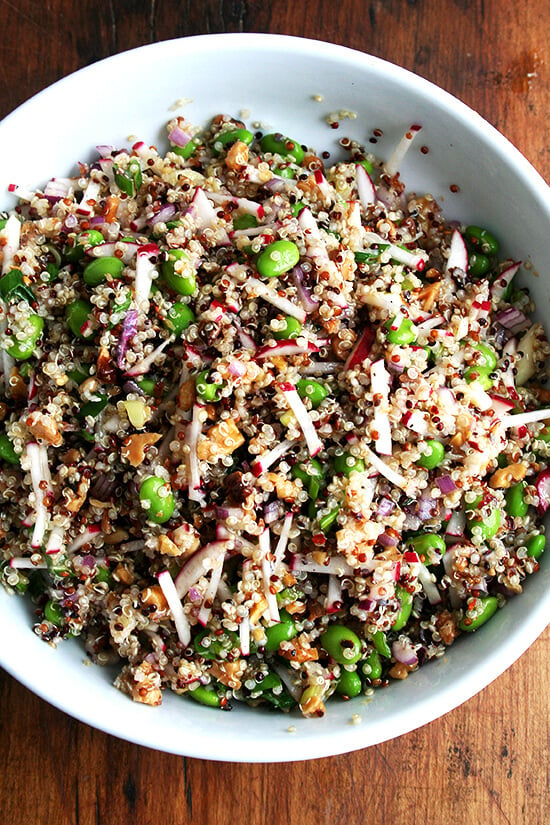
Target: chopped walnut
{"points": [[229, 673], [505, 475], [298, 650], [286, 490], [74, 501], [446, 627], [237, 156], [258, 610], [429, 295], [143, 684], [154, 597], [135, 446], [400, 671], [45, 427], [186, 539], [122, 574], [221, 439]]}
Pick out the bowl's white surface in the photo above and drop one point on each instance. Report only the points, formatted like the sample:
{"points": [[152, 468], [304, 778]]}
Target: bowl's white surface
{"points": [[276, 78]]}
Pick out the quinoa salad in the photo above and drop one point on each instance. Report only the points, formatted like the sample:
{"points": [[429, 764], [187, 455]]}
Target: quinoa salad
{"points": [[271, 430]]}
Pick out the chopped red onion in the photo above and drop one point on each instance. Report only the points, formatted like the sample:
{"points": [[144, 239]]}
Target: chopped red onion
{"points": [[446, 484], [309, 302], [384, 508], [403, 651], [129, 329], [272, 512], [163, 215], [178, 137], [513, 319]]}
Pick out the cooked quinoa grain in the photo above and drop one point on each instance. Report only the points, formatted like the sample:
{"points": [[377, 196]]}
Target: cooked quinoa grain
{"points": [[270, 483]]}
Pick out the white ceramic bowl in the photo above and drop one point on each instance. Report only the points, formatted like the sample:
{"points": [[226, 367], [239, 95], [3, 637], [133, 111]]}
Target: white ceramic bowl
{"points": [[276, 78]]}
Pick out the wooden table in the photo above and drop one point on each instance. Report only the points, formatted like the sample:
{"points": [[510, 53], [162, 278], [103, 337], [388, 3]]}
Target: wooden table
{"points": [[486, 762]]}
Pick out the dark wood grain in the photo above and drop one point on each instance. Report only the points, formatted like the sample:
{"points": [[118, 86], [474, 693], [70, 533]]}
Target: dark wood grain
{"points": [[486, 762]]}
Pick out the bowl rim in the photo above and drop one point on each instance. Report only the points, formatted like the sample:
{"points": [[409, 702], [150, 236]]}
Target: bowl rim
{"points": [[452, 695]]}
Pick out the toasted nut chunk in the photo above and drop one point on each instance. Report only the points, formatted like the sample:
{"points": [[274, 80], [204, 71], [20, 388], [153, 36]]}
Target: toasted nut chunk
{"points": [[18, 388], [186, 539], [312, 706], [167, 547], [221, 439], [122, 574], [186, 395], [446, 627], [145, 685], [45, 427], [429, 295], [258, 610], [298, 650], [505, 475], [229, 673], [154, 597], [74, 501], [286, 490], [400, 671], [135, 446], [237, 157], [117, 537]]}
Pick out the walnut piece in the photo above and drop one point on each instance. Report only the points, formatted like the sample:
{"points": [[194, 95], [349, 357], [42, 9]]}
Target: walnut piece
{"points": [[135, 446], [44, 426], [505, 475], [221, 439]]}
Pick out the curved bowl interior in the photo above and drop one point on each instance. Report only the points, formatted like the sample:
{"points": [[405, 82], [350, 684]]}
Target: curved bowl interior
{"points": [[275, 79]]}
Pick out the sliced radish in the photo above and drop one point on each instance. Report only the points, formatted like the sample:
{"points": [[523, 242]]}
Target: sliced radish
{"points": [[196, 566], [458, 255], [183, 627], [365, 187], [295, 403], [501, 284]]}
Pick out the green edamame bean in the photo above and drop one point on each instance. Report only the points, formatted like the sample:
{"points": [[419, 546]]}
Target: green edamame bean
{"points": [[487, 356], [380, 643], [147, 385], [205, 696], [53, 613], [341, 644], [283, 631], [210, 646], [245, 221], [404, 334], [207, 390], [326, 521], [488, 526], [478, 264], [482, 610], [77, 315], [179, 317], [157, 498], [94, 407], [3, 222], [188, 150], [433, 456], [516, 505], [7, 452], [96, 271], [179, 273], [278, 144], [406, 599], [291, 329], [277, 258], [310, 474], [285, 172], [482, 239], [535, 545], [372, 667], [312, 390], [268, 683], [231, 136], [347, 464], [349, 684], [429, 546], [21, 350], [480, 375], [91, 237], [103, 574]]}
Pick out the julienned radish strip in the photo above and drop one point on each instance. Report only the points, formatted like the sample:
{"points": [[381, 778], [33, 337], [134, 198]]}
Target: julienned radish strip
{"points": [[183, 628], [314, 443]]}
